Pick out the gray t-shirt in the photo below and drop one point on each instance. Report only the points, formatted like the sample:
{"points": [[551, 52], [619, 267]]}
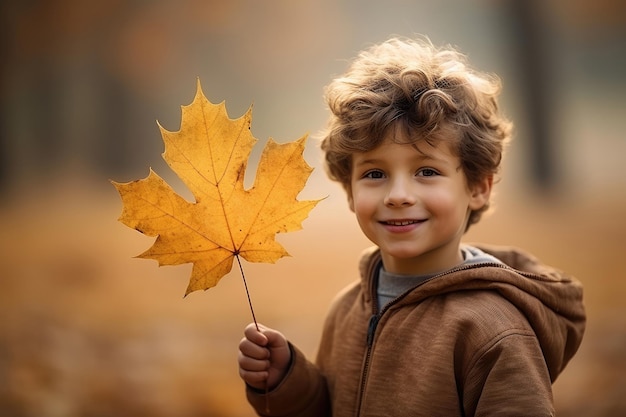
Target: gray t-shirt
{"points": [[390, 286]]}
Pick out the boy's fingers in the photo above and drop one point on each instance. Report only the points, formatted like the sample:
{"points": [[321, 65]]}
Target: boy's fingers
{"points": [[253, 350], [252, 364], [254, 335], [274, 338], [256, 379]]}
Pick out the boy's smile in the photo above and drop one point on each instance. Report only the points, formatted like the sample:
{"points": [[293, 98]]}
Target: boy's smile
{"points": [[413, 201]]}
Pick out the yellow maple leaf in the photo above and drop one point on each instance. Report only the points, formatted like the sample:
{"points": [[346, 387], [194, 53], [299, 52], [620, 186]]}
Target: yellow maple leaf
{"points": [[209, 154]]}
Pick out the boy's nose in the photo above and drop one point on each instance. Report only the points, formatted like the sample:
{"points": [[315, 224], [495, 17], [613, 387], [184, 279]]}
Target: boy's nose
{"points": [[400, 194]]}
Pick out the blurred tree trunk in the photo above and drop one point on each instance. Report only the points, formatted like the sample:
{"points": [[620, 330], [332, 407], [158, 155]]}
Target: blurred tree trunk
{"points": [[531, 39]]}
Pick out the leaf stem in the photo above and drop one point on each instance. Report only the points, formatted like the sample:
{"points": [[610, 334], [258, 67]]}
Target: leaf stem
{"points": [[245, 284]]}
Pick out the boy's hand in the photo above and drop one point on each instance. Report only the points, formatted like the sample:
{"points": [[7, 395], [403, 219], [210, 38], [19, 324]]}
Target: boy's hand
{"points": [[264, 357]]}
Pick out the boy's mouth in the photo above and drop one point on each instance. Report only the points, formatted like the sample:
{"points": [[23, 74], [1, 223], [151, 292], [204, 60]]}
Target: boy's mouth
{"points": [[401, 222]]}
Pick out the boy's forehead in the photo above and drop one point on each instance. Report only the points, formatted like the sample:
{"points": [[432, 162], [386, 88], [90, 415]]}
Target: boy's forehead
{"points": [[434, 147]]}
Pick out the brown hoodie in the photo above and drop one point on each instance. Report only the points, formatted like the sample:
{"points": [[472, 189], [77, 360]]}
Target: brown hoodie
{"points": [[478, 340]]}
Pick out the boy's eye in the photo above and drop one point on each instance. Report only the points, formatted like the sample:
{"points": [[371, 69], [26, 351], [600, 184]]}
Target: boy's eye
{"points": [[374, 174], [427, 172]]}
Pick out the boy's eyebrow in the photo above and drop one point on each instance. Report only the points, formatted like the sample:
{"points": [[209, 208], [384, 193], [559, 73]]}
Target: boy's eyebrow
{"points": [[428, 156], [431, 158], [369, 161]]}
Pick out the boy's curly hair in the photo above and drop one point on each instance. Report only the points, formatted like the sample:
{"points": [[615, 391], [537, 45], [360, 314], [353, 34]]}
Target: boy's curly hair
{"points": [[425, 91]]}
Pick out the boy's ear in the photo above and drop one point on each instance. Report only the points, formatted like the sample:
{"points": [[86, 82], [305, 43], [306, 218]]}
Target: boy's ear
{"points": [[480, 193], [348, 189], [350, 202]]}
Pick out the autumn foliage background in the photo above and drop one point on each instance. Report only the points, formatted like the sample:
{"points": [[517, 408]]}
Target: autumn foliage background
{"points": [[86, 330]]}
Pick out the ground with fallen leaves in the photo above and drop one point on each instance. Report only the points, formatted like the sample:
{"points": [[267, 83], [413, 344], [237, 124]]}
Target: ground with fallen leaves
{"points": [[86, 330]]}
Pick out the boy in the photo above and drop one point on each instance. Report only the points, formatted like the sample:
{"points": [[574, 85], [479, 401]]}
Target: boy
{"points": [[434, 327]]}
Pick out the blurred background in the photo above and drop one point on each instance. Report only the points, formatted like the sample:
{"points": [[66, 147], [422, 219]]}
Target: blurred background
{"points": [[86, 330]]}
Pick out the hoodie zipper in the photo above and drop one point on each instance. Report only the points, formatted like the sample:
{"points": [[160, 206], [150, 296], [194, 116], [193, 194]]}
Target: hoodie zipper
{"points": [[371, 330], [376, 316]]}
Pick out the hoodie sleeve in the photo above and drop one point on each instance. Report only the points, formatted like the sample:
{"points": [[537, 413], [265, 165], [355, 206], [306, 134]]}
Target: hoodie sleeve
{"points": [[550, 299], [509, 378], [302, 393]]}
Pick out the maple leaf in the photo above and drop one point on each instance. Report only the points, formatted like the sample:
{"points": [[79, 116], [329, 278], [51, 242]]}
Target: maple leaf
{"points": [[209, 154]]}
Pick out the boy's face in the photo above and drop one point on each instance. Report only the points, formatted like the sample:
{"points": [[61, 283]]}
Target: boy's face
{"points": [[413, 202]]}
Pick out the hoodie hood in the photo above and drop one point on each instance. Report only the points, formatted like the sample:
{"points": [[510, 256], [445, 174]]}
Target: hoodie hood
{"points": [[550, 300]]}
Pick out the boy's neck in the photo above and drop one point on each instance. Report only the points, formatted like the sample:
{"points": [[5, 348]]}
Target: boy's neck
{"points": [[431, 262]]}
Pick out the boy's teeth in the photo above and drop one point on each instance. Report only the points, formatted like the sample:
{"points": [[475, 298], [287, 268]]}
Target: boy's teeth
{"points": [[402, 223]]}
